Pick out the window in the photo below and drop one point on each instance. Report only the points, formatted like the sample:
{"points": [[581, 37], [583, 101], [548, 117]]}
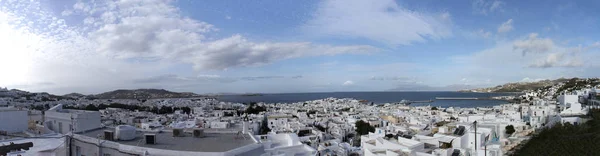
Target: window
{"points": [[77, 151], [60, 128]]}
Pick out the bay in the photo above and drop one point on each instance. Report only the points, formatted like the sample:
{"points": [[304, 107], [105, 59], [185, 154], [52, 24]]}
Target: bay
{"points": [[375, 97]]}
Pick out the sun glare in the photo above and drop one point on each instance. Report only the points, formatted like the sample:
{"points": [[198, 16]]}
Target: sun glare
{"points": [[17, 46]]}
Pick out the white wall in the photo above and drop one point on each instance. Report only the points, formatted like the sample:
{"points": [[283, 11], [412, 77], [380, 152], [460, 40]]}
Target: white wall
{"points": [[219, 124], [82, 121], [563, 99], [13, 120]]}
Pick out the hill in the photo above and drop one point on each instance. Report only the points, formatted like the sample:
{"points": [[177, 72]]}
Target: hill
{"points": [[74, 95], [521, 86], [143, 94], [567, 139]]}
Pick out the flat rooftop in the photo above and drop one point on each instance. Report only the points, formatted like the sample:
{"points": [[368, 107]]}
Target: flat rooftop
{"points": [[211, 142]]}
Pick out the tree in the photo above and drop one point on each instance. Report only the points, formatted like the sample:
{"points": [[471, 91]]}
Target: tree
{"points": [[510, 129], [91, 107], [102, 106], [363, 128], [434, 108], [264, 127], [165, 110], [389, 136], [253, 108], [321, 128]]}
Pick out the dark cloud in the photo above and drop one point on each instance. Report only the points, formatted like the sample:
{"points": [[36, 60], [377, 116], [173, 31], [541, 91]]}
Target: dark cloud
{"points": [[170, 78]]}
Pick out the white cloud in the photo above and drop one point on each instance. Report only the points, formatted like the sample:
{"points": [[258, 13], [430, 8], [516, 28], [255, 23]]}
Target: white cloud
{"points": [[383, 21], [348, 83], [66, 13], [496, 5], [228, 17], [237, 51], [505, 62], [527, 79], [533, 44], [557, 60], [484, 7], [156, 31], [88, 20], [483, 33], [506, 26], [116, 42]]}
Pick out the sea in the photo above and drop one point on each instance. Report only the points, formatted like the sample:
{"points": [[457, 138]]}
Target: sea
{"points": [[376, 98]]}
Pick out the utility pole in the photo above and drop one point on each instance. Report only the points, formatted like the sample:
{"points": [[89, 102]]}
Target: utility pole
{"points": [[475, 125]]}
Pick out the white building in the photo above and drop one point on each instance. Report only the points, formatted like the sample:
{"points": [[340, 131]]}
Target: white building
{"points": [[13, 120], [209, 144], [374, 144], [64, 120]]}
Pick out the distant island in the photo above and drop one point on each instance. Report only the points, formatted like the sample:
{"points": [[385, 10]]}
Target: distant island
{"points": [[144, 94], [254, 94]]}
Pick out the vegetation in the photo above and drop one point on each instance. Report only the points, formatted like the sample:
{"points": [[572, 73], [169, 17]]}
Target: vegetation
{"points": [[161, 110], [347, 109], [91, 107], [363, 128], [302, 133], [441, 123], [264, 127], [434, 108], [576, 84], [389, 136], [567, 139], [510, 129], [253, 108], [321, 128]]}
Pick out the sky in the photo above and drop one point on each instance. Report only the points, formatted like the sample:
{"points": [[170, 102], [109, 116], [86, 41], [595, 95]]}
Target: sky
{"points": [[284, 46]]}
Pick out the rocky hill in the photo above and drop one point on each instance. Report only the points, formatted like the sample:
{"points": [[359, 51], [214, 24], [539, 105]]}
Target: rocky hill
{"points": [[562, 84], [143, 94], [74, 95]]}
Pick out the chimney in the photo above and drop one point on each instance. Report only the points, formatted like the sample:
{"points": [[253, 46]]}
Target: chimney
{"points": [[150, 138]]}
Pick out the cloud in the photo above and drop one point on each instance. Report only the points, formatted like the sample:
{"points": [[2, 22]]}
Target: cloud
{"points": [[348, 83], [483, 33], [557, 60], [506, 26], [228, 17], [109, 44], [484, 7], [392, 78], [66, 12], [533, 44], [382, 21], [261, 78], [154, 30], [238, 52], [172, 78], [505, 61], [527, 79]]}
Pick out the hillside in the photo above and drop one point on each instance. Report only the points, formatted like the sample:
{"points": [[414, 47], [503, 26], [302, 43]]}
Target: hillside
{"points": [[74, 95], [143, 94], [567, 139], [521, 86]]}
